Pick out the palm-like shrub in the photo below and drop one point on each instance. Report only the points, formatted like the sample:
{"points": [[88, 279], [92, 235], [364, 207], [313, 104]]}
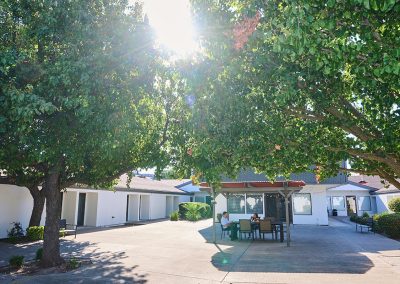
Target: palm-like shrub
{"points": [[192, 212]]}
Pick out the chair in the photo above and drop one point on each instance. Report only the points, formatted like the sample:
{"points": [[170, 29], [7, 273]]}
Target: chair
{"points": [[64, 225], [266, 227], [245, 227], [223, 230]]}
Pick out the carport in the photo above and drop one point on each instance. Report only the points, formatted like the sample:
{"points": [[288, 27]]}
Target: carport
{"points": [[284, 188]]}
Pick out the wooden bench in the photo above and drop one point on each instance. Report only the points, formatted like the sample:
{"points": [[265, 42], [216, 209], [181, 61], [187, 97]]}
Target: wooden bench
{"points": [[64, 227], [369, 227]]}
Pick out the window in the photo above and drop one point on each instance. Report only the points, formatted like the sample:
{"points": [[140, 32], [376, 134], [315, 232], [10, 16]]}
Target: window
{"points": [[302, 204], [338, 203], [199, 199], [364, 203], [254, 203], [236, 203]]}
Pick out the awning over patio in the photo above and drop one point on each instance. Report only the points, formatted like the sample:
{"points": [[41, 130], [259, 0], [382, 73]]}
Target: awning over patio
{"points": [[284, 188]]}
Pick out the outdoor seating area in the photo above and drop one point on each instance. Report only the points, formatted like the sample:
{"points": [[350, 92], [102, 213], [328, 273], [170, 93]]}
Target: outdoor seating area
{"points": [[254, 229]]}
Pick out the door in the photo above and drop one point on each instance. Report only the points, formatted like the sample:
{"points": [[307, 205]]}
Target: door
{"points": [[351, 205], [81, 209], [274, 206]]}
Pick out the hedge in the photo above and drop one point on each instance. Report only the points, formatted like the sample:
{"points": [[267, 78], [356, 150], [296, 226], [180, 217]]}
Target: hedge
{"points": [[198, 210], [389, 224]]}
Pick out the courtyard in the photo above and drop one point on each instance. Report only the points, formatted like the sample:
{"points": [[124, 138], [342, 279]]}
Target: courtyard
{"points": [[182, 252]]}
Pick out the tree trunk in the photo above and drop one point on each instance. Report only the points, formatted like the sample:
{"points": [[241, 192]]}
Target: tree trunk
{"points": [[38, 205], [51, 245]]}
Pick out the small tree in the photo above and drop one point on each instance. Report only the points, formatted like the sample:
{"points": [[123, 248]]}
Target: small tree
{"points": [[394, 205]]}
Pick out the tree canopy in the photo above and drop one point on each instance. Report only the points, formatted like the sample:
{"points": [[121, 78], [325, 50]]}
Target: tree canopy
{"points": [[289, 84], [84, 97]]}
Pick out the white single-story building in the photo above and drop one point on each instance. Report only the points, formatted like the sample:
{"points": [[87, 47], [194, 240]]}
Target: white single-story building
{"points": [[144, 199], [310, 204]]}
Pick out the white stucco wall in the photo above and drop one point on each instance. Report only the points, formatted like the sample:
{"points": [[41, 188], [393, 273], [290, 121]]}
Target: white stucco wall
{"points": [[133, 212], [16, 205], [351, 190], [382, 201], [91, 209], [319, 214], [70, 206], [158, 206], [111, 208], [183, 198]]}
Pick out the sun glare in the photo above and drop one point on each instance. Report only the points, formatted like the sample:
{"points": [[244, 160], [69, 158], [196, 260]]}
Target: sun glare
{"points": [[172, 23]]}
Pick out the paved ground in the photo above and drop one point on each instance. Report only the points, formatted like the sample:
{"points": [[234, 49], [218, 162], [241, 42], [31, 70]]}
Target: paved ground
{"points": [[178, 252]]}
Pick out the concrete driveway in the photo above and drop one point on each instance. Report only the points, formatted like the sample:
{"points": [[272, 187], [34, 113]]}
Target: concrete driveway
{"points": [[180, 252]]}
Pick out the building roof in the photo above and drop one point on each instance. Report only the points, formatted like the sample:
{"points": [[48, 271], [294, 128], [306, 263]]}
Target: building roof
{"points": [[374, 183], [142, 184]]}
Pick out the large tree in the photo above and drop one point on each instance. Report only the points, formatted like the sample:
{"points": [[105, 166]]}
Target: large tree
{"points": [[82, 99], [289, 84]]}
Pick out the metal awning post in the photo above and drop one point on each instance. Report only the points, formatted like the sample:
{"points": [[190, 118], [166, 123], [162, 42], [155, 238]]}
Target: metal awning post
{"points": [[213, 210]]}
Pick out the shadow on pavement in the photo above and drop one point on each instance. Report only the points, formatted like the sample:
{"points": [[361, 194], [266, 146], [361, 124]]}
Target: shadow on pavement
{"points": [[315, 249], [106, 267]]}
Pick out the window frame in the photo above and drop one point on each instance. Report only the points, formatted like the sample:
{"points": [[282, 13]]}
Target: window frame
{"points": [[360, 203], [262, 201], [227, 203], [245, 202], [293, 207]]}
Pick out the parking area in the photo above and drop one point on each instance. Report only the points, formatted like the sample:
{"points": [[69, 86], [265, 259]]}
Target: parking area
{"points": [[182, 252]]}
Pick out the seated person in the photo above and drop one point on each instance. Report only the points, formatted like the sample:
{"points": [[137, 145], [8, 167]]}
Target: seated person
{"points": [[255, 218], [225, 220]]}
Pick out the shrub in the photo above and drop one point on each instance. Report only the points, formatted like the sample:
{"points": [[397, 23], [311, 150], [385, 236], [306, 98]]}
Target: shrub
{"points": [[174, 216], [365, 215], [196, 209], [390, 225], [377, 217], [39, 254], [16, 232], [73, 263], [35, 233], [192, 212], [394, 205], [16, 261]]}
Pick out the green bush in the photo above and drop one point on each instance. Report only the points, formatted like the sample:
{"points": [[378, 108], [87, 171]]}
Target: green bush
{"points": [[16, 261], [174, 216], [394, 205], [196, 208], [73, 263], [365, 215], [39, 254], [389, 224], [192, 212], [16, 232], [360, 220], [35, 233], [377, 217]]}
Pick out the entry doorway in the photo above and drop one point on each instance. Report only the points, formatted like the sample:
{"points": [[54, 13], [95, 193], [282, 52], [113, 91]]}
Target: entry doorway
{"points": [[351, 205], [274, 206], [81, 209]]}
